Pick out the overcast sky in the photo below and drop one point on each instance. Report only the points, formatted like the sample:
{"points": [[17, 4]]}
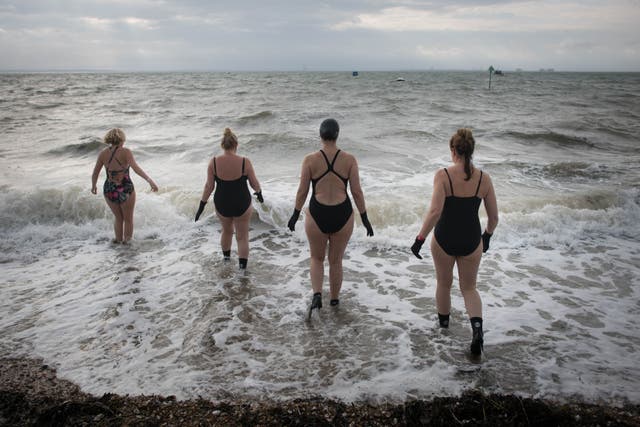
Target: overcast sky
{"points": [[163, 35]]}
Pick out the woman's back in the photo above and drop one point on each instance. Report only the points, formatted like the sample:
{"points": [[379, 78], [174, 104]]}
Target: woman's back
{"points": [[462, 187], [330, 175], [229, 167]]}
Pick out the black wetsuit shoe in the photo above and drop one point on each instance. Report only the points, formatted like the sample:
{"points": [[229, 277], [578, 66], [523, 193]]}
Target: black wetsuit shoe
{"points": [[316, 302], [477, 342], [334, 302], [444, 320]]}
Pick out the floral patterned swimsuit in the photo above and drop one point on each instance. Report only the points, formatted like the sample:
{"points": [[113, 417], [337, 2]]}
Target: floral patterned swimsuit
{"points": [[118, 185]]}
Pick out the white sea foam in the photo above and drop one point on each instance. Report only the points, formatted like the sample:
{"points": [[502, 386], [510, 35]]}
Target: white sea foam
{"points": [[166, 315]]}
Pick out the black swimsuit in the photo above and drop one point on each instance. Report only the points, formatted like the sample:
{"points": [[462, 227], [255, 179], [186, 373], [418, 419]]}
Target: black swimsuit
{"points": [[330, 218], [232, 198], [458, 230]]}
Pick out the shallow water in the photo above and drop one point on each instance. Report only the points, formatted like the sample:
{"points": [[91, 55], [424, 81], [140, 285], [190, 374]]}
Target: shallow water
{"points": [[167, 315]]}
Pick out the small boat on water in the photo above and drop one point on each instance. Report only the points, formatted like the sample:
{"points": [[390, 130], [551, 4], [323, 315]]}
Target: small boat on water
{"points": [[400, 79], [498, 73]]}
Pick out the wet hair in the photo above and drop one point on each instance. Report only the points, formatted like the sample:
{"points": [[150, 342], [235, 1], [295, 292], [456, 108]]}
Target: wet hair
{"points": [[329, 130], [229, 140], [463, 143], [114, 137]]}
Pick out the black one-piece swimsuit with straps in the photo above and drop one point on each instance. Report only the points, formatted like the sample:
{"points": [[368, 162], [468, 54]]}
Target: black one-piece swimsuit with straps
{"points": [[458, 230], [232, 198], [330, 218]]}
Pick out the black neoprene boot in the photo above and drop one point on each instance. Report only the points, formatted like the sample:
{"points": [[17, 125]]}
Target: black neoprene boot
{"points": [[316, 302], [477, 341], [444, 320]]}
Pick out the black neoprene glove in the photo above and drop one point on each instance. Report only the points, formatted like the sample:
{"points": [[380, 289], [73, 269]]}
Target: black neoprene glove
{"points": [[366, 223], [485, 241], [200, 209], [292, 221], [258, 195], [417, 245]]}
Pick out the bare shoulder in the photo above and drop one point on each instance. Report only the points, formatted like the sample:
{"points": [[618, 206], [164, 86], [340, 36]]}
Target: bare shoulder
{"points": [[104, 154], [348, 157], [440, 175], [486, 178], [310, 158]]}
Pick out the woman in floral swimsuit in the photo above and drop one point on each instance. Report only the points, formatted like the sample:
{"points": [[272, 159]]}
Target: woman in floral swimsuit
{"points": [[118, 187]]}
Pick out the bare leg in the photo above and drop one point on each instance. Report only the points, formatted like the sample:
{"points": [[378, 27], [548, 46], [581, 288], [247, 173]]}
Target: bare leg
{"points": [[127, 213], [443, 264], [318, 248], [337, 246], [468, 274], [117, 219], [227, 232], [241, 224]]}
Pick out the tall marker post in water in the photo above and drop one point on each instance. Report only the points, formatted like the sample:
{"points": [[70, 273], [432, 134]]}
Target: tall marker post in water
{"points": [[490, 73]]}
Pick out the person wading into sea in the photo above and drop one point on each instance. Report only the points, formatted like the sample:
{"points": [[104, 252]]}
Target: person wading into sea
{"points": [[228, 175], [329, 218], [458, 239]]}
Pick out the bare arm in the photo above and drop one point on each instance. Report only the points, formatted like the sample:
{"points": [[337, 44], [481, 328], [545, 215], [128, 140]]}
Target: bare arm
{"points": [[94, 176], [491, 207], [137, 169], [303, 187], [435, 207], [356, 188], [253, 180], [210, 185]]}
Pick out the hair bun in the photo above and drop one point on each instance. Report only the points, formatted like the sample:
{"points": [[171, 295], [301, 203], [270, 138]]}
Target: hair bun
{"points": [[227, 131]]}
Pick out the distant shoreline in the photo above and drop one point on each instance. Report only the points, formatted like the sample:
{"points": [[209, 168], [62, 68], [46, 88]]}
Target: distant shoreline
{"points": [[31, 393], [360, 71]]}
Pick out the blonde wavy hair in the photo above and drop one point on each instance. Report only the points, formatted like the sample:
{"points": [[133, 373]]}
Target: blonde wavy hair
{"points": [[115, 136]]}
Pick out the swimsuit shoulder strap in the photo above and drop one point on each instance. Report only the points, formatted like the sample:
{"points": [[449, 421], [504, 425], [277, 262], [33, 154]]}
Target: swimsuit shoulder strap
{"points": [[450, 183], [215, 172], [243, 159], [478, 188], [333, 162], [326, 159], [113, 153]]}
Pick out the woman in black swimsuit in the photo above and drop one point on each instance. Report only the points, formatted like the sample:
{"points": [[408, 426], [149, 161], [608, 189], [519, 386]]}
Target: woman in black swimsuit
{"points": [[457, 240], [118, 188], [329, 219], [228, 175]]}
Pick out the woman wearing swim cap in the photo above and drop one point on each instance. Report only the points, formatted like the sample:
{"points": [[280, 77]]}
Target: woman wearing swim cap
{"points": [[329, 218]]}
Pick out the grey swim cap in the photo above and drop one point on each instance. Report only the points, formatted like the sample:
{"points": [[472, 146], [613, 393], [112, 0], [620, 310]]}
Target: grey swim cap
{"points": [[329, 130]]}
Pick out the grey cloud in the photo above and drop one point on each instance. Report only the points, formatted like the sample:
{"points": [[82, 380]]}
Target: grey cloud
{"points": [[288, 35]]}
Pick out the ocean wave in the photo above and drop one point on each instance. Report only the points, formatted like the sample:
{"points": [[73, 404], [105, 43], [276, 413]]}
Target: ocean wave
{"points": [[549, 137], [595, 200], [575, 169], [90, 144], [46, 106], [56, 91], [50, 206], [260, 116]]}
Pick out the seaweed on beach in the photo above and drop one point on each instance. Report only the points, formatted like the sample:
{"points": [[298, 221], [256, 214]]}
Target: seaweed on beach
{"points": [[31, 394]]}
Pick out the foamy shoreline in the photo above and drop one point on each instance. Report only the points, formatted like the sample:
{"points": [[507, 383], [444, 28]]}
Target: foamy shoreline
{"points": [[31, 393]]}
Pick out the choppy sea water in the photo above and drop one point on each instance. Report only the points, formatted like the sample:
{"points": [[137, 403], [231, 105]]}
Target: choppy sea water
{"points": [[167, 315]]}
